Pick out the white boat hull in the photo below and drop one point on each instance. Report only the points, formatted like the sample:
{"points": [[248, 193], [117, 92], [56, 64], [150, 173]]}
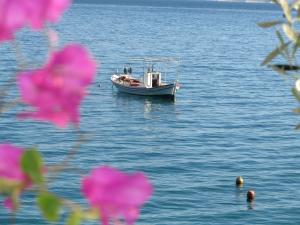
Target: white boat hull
{"points": [[168, 90]]}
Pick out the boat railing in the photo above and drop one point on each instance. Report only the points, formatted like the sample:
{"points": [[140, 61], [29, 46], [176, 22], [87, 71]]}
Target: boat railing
{"points": [[168, 66]]}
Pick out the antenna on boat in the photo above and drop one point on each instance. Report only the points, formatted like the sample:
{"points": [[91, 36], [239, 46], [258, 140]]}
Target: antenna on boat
{"points": [[177, 71]]}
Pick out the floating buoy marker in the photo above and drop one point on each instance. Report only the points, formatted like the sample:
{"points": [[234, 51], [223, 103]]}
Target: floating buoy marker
{"points": [[239, 181], [250, 196]]}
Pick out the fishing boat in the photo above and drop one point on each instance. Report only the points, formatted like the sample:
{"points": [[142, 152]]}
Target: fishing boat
{"points": [[151, 82]]}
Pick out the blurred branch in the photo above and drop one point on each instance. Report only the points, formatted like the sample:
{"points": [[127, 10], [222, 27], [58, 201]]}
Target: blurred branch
{"points": [[288, 49], [56, 169], [275, 53], [21, 62]]}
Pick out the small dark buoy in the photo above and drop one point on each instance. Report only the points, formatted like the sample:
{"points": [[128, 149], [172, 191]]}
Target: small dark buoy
{"points": [[239, 181], [250, 196]]}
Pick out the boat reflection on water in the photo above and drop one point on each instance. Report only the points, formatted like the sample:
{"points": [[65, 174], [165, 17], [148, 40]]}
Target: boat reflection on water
{"points": [[151, 106]]}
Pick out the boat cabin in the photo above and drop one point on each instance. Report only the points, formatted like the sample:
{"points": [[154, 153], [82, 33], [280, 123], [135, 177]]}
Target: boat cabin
{"points": [[152, 79]]}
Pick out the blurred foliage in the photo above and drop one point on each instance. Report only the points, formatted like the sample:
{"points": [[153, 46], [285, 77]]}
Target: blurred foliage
{"points": [[50, 206], [74, 218], [289, 43], [32, 165]]}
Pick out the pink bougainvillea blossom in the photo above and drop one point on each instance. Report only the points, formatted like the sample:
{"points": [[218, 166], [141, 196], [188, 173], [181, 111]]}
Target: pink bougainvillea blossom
{"points": [[53, 38], [56, 90], [11, 170], [10, 163], [116, 194], [15, 14], [42, 11], [9, 204]]}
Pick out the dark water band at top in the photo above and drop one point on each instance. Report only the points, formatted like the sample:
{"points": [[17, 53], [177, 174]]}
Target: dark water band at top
{"points": [[185, 4]]}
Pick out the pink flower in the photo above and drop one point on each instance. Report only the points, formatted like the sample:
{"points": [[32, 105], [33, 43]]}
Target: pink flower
{"points": [[57, 89], [10, 163], [116, 194], [15, 14], [53, 38], [9, 204], [42, 11], [11, 170]]}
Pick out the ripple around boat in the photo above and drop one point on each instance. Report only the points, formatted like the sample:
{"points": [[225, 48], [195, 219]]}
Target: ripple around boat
{"points": [[151, 83]]}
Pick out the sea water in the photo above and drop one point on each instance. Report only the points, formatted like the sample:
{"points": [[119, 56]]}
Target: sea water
{"points": [[231, 116]]}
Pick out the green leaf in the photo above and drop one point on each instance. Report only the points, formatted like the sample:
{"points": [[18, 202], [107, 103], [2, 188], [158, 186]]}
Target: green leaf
{"points": [[32, 165], [286, 9], [297, 127], [296, 46], [296, 110], [74, 218], [296, 94], [8, 186], [280, 37], [274, 53], [296, 5], [285, 52], [50, 206], [298, 13], [276, 2], [269, 24], [278, 70], [290, 32]]}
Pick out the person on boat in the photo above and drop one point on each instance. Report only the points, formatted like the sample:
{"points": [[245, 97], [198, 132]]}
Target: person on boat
{"points": [[129, 70], [125, 70]]}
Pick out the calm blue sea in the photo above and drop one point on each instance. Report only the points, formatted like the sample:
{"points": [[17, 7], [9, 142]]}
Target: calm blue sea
{"points": [[231, 116]]}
